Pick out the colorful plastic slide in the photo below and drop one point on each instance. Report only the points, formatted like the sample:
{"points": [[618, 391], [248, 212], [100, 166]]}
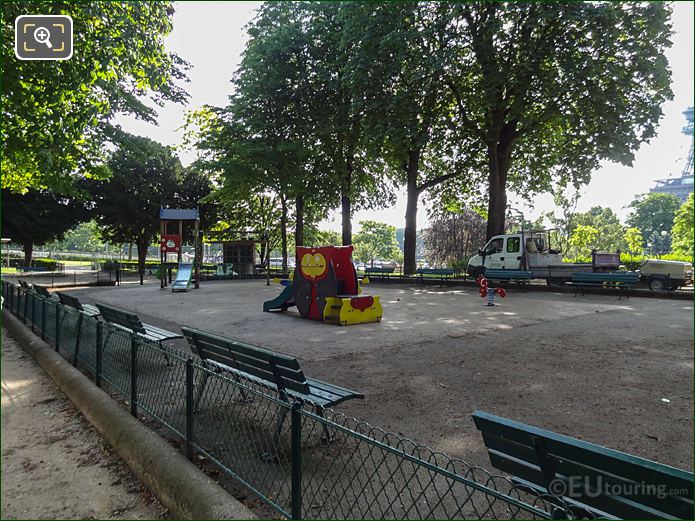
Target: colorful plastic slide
{"points": [[282, 302], [183, 278]]}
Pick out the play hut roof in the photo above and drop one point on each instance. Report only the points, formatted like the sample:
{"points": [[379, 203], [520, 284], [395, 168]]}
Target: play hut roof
{"points": [[176, 214]]}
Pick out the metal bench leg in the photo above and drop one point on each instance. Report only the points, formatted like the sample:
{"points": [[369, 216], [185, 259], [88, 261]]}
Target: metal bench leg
{"points": [[271, 455]]}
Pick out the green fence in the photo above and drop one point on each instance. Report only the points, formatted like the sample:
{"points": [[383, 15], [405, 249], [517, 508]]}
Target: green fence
{"points": [[316, 466]]}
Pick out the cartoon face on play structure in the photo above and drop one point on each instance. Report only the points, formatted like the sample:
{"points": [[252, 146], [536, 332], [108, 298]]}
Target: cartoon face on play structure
{"points": [[313, 265]]}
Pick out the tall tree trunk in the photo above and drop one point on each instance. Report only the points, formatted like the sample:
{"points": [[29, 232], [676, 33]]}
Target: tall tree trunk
{"points": [[345, 204], [28, 247], [413, 193], [346, 219], [130, 252], [283, 232], [299, 224], [142, 244], [499, 153]]}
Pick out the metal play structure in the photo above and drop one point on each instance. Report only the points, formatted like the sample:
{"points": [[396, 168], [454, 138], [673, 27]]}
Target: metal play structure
{"points": [[171, 244], [325, 287]]}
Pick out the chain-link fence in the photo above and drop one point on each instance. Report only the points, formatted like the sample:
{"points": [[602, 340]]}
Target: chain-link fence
{"points": [[303, 461]]}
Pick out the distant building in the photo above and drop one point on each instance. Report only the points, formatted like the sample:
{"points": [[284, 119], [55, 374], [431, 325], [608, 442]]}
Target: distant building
{"points": [[681, 186]]}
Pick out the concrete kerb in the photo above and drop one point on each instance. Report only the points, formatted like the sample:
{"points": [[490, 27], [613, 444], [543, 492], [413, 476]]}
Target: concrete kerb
{"points": [[180, 486]]}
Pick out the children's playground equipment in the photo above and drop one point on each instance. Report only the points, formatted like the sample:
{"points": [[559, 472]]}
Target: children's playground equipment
{"points": [[325, 287], [171, 242], [486, 291]]}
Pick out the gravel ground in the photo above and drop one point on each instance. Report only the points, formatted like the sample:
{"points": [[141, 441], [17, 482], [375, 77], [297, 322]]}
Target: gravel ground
{"points": [[54, 464], [617, 372]]}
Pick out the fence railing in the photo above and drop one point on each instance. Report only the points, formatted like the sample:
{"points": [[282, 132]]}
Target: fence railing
{"points": [[304, 462]]}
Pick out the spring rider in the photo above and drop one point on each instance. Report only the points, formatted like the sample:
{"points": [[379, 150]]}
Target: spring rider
{"points": [[325, 287], [486, 291]]}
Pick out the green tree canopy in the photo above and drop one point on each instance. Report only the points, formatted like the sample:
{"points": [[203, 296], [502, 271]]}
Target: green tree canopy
{"points": [[38, 217], [56, 114], [682, 242], [144, 177], [652, 214], [634, 241], [376, 241], [611, 233], [546, 91]]}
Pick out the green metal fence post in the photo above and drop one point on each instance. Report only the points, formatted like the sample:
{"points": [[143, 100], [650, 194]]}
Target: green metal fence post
{"points": [[78, 333], [189, 408], [134, 375], [43, 319], [57, 335], [97, 369], [24, 314], [33, 313], [296, 428]]}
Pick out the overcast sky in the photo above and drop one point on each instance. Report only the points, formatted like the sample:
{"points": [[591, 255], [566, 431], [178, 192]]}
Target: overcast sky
{"points": [[211, 36]]}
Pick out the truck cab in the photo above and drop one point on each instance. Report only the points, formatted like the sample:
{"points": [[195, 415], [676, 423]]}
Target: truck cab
{"points": [[502, 252], [514, 251]]}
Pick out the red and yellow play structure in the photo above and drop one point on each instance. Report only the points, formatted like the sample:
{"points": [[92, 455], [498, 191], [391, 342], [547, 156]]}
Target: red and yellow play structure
{"points": [[325, 287]]}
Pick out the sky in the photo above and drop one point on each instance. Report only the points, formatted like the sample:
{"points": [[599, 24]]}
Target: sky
{"points": [[211, 37]]}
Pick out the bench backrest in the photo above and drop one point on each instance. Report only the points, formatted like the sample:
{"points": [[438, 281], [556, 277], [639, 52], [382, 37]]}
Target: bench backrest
{"points": [[435, 271], [41, 290], [69, 300], [629, 277], [379, 270], [121, 317], [280, 370], [636, 488], [508, 274]]}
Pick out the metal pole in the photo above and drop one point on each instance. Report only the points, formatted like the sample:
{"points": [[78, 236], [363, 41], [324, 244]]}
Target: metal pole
{"points": [[77, 339], [189, 409], [296, 428], [134, 376], [57, 336], [33, 313], [97, 369], [43, 319]]}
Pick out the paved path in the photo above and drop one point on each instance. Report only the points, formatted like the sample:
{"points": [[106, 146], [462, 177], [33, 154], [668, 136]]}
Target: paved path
{"points": [[54, 464]]}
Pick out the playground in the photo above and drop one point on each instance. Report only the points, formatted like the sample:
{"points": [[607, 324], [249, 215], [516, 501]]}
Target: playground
{"points": [[616, 372]]}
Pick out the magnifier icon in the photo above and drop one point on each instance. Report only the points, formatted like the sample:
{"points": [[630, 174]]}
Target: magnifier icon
{"points": [[43, 35]]}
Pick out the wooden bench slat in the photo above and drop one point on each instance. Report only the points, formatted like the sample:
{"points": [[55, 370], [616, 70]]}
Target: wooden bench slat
{"points": [[130, 322]]}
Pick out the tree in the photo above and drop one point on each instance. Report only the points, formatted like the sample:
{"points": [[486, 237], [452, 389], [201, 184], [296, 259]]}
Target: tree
{"points": [[611, 233], [56, 114], [376, 241], [316, 237], [634, 241], [38, 217], [682, 243], [545, 91], [452, 239], [84, 237], [144, 177], [652, 214], [583, 240], [396, 72]]}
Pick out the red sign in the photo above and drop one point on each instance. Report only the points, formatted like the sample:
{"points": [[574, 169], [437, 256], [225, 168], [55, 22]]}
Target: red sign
{"points": [[170, 243]]}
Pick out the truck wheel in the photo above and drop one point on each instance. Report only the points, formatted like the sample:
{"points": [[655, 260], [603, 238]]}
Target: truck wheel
{"points": [[657, 285]]}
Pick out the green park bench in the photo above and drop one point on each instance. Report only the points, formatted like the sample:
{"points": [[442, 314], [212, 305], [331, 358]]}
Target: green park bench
{"points": [[518, 276], [32, 268], [593, 481], [621, 280], [74, 302], [129, 322], [443, 273], [379, 271], [276, 371]]}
